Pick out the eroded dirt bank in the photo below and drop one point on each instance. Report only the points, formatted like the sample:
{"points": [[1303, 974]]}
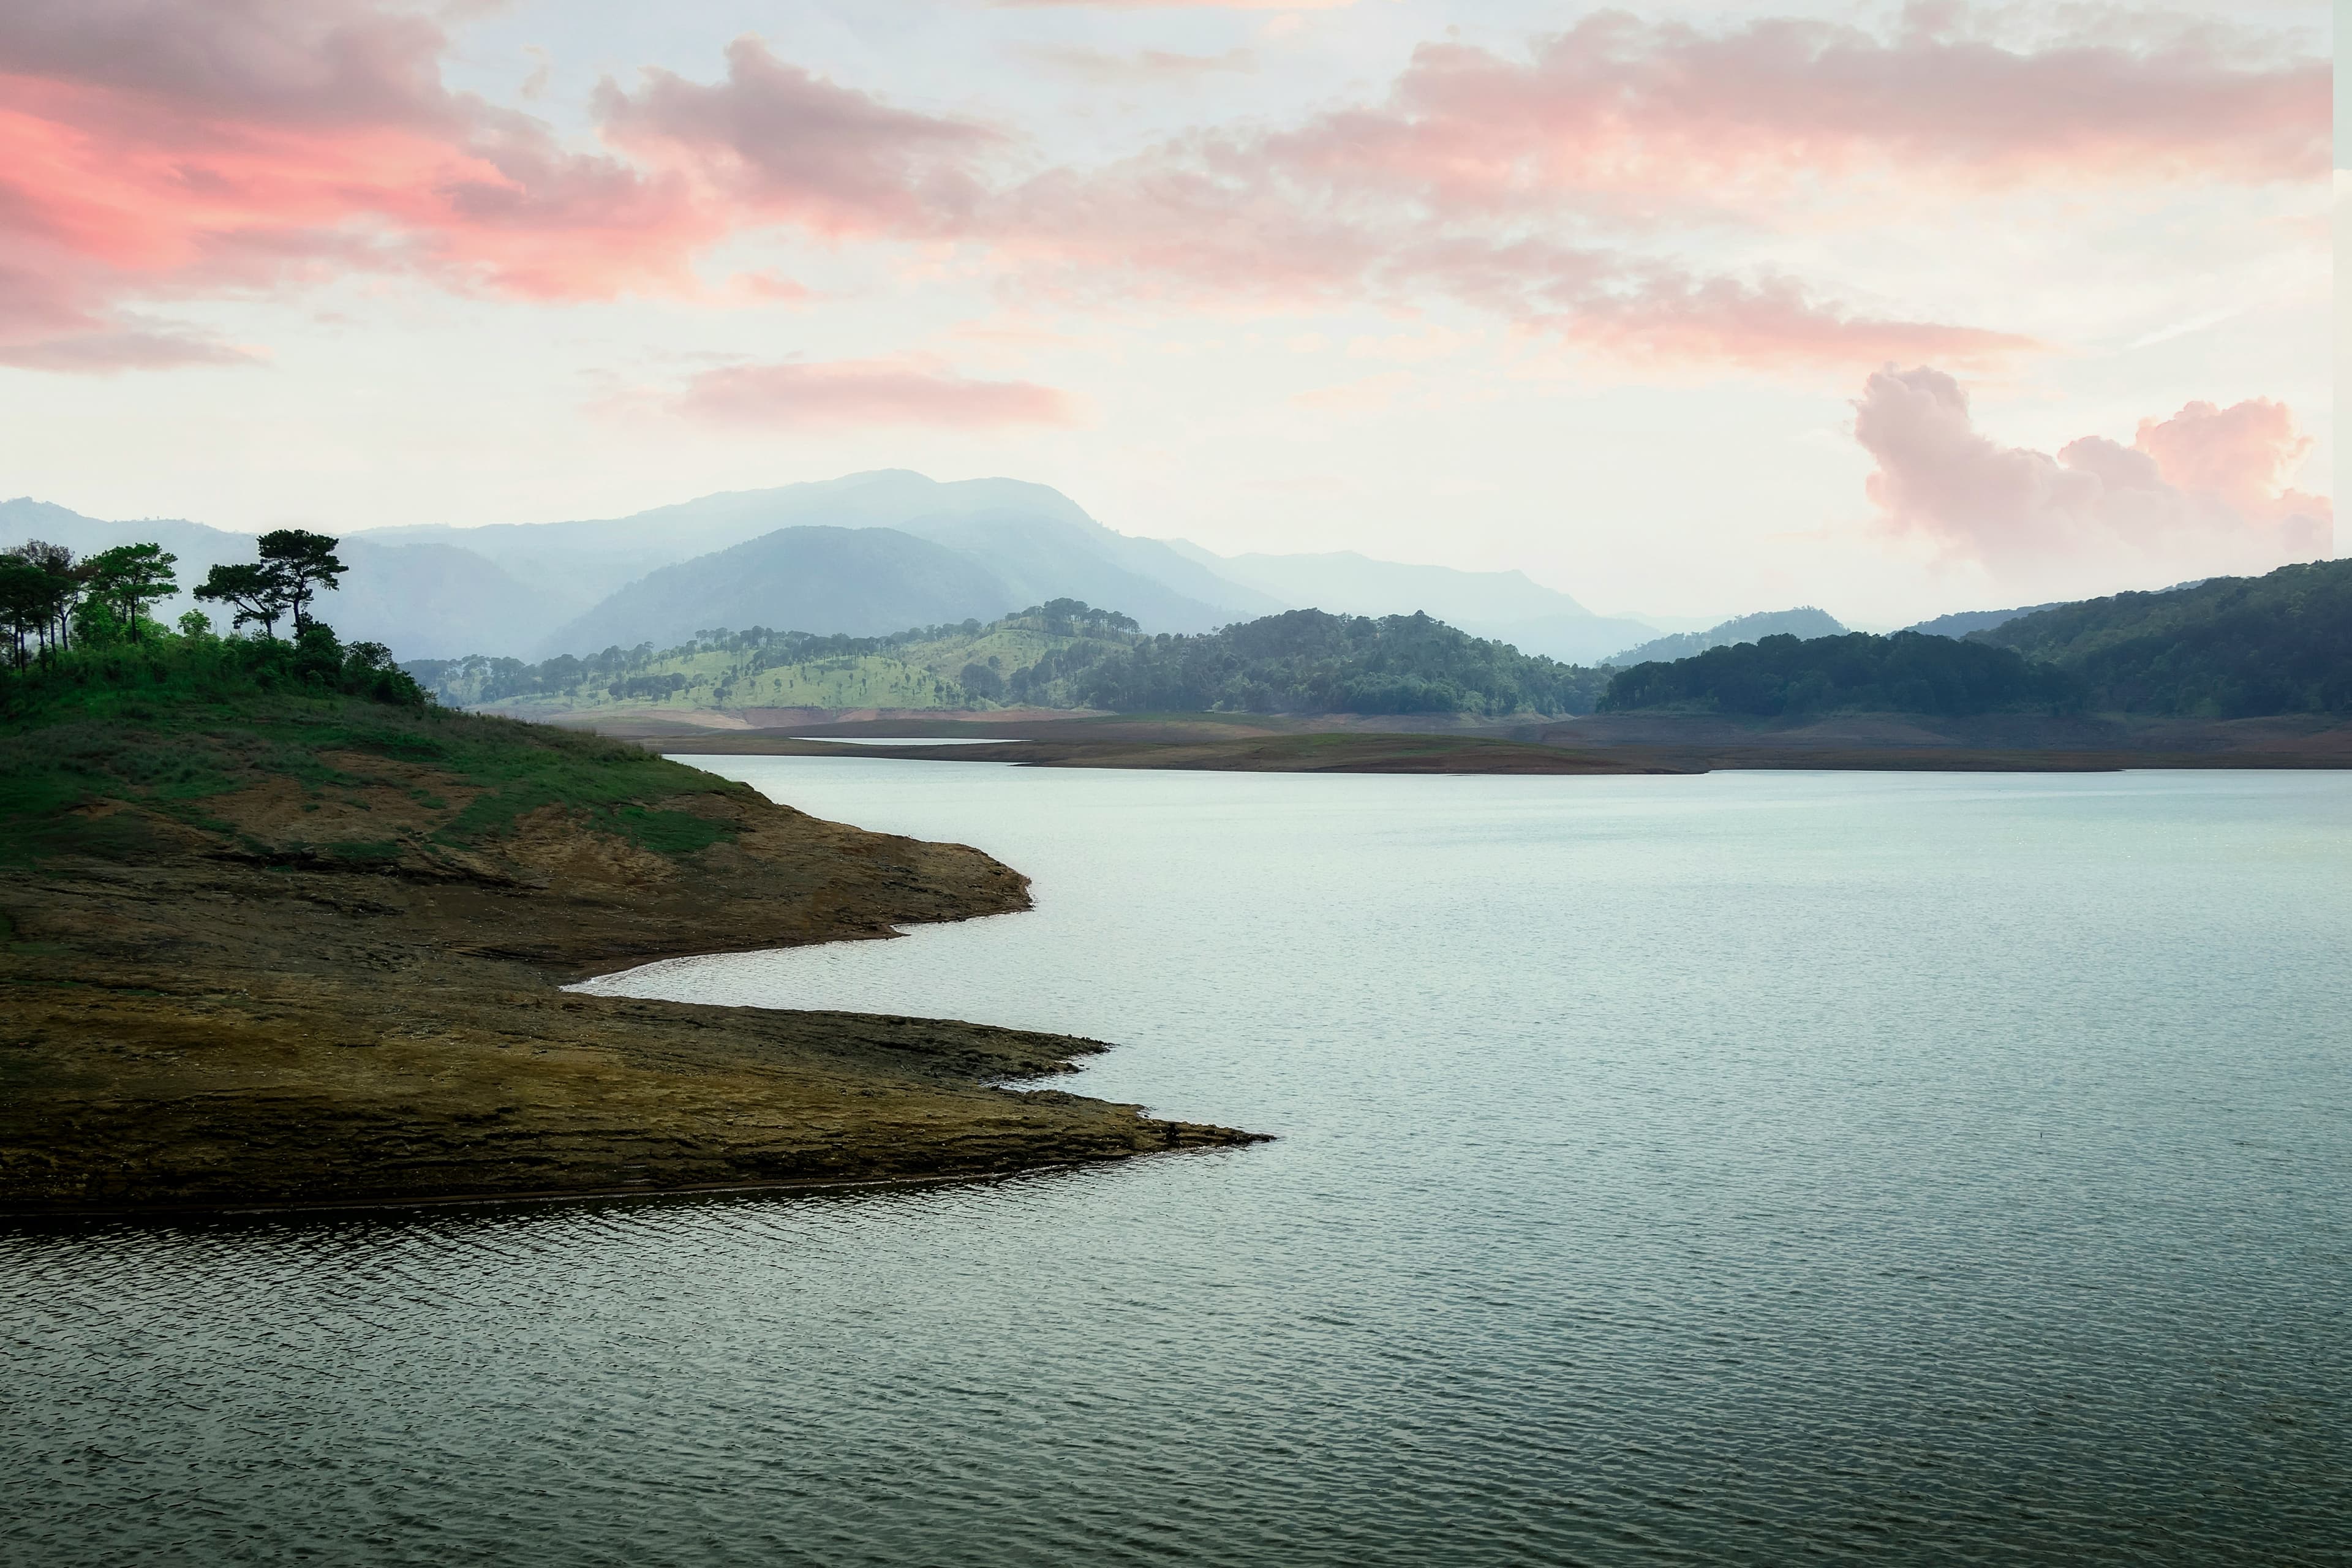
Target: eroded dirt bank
{"points": [[301, 994]]}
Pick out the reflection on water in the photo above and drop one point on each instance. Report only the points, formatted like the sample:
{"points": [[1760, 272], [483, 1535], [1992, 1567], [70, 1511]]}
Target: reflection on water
{"points": [[1749, 1168]]}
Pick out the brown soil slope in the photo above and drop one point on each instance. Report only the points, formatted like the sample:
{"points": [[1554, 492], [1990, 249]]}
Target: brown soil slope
{"points": [[332, 982]]}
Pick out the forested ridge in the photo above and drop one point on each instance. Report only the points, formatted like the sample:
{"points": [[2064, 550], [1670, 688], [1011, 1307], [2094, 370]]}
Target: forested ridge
{"points": [[2228, 649]]}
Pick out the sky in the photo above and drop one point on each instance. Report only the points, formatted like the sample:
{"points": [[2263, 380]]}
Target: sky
{"points": [[1683, 309]]}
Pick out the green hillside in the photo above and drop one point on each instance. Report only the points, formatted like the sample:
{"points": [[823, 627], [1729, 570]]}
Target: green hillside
{"points": [[1063, 654], [2229, 649]]}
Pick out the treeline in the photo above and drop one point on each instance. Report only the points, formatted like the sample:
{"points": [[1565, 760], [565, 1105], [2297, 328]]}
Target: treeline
{"points": [[2231, 648], [1907, 673], [79, 626], [50, 599], [1308, 661]]}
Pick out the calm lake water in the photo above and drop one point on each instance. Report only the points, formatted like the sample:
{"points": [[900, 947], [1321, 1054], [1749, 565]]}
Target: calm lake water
{"points": [[1753, 1168]]}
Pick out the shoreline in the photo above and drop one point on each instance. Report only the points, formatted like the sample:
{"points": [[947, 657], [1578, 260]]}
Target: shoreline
{"points": [[234, 1012], [37, 1218], [1421, 754]]}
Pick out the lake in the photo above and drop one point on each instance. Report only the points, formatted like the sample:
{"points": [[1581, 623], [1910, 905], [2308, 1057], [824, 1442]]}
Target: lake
{"points": [[1746, 1168]]}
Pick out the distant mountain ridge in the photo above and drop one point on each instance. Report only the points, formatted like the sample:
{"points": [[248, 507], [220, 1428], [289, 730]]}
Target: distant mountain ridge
{"points": [[861, 582], [1961, 623], [1504, 606], [1031, 538], [1803, 622], [432, 591], [420, 601]]}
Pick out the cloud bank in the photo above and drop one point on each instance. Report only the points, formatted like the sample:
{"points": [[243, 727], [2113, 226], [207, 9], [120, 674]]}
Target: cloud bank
{"points": [[2203, 493], [162, 151], [173, 150]]}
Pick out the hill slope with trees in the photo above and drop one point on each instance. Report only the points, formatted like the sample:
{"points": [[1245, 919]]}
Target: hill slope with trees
{"points": [[2231, 648], [1307, 661], [1064, 655]]}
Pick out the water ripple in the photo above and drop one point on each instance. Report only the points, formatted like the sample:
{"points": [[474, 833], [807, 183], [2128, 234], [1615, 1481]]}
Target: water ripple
{"points": [[1719, 1171]]}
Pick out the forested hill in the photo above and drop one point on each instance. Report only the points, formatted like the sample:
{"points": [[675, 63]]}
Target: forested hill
{"points": [[1905, 673], [2229, 648], [1307, 661], [1063, 654]]}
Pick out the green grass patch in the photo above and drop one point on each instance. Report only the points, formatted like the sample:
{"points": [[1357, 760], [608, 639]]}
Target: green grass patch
{"points": [[196, 735], [672, 833]]}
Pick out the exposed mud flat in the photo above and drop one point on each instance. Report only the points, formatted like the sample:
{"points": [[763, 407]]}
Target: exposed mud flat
{"points": [[1612, 743]]}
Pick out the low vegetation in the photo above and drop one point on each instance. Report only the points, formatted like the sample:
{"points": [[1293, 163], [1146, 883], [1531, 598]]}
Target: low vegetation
{"points": [[2229, 649]]}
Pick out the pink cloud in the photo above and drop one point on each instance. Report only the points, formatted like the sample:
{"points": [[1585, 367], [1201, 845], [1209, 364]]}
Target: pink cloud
{"points": [[1659, 109], [151, 150], [1148, 65], [161, 150], [867, 392], [2198, 494], [1191, 236], [1179, 5], [786, 144]]}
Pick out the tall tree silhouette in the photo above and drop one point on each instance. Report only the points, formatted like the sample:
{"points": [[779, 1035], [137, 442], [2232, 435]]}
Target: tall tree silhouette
{"points": [[130, 577], [306, 565], [50, 590], [258, 590]]}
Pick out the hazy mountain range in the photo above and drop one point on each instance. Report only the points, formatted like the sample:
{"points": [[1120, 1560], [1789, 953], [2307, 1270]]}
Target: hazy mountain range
{"points": [[406, 597], [862, 554], [865, 554]]}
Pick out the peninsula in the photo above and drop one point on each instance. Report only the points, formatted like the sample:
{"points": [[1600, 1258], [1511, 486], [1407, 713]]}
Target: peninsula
{"points": [[276, 930]]}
